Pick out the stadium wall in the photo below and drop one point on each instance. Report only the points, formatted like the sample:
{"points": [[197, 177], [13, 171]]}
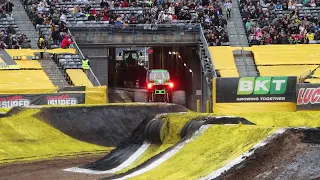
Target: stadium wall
{"points": [[65, 96]]}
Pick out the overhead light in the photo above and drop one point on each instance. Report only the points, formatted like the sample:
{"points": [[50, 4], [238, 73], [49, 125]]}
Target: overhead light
{"points": [[179, 56], [190, 70], [184, 64], [169, 52], [173, 52]]}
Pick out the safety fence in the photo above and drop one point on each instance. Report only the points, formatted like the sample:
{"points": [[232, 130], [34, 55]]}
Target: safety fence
{"points": [[72, 95], [264, 94]]}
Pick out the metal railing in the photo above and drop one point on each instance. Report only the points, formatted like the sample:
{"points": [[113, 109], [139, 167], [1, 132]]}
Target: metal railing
{"points": [[307, 74], [208, 70], [206, 60], [91, 76]]}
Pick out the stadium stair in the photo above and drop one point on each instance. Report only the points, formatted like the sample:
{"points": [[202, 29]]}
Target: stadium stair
{"points": [[24, 24], [54, 73], [235, 28], [245, 63]]}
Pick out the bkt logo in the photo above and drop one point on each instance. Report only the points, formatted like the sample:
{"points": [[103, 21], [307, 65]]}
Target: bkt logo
{"points": [[262, 85]]}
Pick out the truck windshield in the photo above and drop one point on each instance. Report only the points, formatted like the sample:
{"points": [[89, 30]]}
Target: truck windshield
{"points": [[159, 75]]}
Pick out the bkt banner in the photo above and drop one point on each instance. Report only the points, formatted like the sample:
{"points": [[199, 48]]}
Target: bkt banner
{"points": [[256, 89], [308, 96]]}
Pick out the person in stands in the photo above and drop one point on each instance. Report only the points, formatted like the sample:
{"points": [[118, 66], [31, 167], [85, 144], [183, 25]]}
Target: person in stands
{"points": [[66, 42], [41, 43], [86, 65]]}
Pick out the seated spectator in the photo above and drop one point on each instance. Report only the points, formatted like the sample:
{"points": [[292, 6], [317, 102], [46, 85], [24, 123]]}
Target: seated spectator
{"points": [[25, 44], [310, 36], [66, 42], [3, 45], [279, 6], [91, 17], [254, 41]]}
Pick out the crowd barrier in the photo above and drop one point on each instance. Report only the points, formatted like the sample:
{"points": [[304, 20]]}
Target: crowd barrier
{"points": [[254, 94], [65, 96]]}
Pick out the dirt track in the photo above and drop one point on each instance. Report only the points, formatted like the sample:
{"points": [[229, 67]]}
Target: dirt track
{"points": [[295, 155], [49, 170]]}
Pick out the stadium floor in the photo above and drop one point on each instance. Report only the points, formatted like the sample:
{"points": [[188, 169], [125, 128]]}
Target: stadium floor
{"points": [[205, 152], [49, 169]]}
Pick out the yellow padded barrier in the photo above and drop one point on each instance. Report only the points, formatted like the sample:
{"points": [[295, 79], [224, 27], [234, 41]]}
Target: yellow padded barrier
{"points": [[286, 54], [285, 70], [96, 95], [316, 73], [79, 78], [222, 57], [30, 52], [229, 73], [313, 81], [31, 64], [24, 79]]}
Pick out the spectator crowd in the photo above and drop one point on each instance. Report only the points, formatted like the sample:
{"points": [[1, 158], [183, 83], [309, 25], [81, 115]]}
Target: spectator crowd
{"points": [[56, 15], [9, 37], [280, 21]]}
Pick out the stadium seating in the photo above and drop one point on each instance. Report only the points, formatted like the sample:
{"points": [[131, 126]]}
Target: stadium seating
{"points": [[78, 78], [68, 61], [140, 11]]}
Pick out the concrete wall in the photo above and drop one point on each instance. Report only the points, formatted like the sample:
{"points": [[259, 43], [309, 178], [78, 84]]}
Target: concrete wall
{"points": [[98, 61], [85, 37]]}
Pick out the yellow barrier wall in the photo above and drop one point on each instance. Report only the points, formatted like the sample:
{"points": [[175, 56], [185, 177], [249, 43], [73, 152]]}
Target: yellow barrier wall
{"points": [[96, 95], [79, 78]]}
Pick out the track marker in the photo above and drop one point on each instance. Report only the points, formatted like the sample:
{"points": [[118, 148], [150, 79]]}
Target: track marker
{"points": [[125, 164]]}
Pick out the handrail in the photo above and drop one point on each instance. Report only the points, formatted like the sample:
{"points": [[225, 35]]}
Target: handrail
{"points": [[309, 73], [204, 40], [95, 80]]}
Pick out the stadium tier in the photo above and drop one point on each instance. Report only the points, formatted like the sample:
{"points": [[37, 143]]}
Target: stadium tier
{"points": [[78, 78]]}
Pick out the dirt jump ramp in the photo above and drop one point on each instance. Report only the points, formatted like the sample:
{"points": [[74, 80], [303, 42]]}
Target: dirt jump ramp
{"points": [[106, 125], [293, 155]]}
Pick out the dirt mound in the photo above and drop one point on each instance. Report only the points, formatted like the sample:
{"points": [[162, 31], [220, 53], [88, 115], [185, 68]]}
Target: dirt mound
{"points": [[293, 155], [103, 125]]}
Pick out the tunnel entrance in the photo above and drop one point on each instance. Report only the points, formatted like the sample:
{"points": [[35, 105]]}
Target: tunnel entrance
{"points": [[128, 65], [125, 67]]}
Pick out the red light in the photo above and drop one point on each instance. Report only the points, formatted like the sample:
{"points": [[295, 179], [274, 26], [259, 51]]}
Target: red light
{"points": [[150, 51], [149, 85], [171, 85]]}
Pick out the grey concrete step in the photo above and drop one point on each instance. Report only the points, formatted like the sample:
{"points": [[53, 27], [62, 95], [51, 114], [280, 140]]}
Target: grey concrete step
{"points": [[23, 22]]}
